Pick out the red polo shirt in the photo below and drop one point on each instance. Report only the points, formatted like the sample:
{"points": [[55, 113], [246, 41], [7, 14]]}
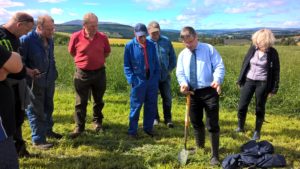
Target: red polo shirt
{"points": [[89, 54]]}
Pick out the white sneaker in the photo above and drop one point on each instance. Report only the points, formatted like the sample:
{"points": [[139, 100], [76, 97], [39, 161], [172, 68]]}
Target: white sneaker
{"points": [[155, 123]]}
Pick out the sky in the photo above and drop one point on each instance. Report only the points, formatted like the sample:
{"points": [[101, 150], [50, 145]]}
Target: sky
{"points": [[201, 14]]}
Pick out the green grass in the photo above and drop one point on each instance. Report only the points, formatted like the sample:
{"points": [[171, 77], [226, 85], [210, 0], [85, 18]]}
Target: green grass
{"points": [[113, 149]]}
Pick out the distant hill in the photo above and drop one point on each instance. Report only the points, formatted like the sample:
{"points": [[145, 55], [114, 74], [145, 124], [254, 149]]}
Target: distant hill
{"points": [[111, 29], [116, 30]]}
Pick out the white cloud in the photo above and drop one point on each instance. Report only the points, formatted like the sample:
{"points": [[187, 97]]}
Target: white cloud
{"points": [[50, 1], [91, 3], [209, 2], [246, 7], [291, 24], [5, 15], [258, 21], [165, 23], [259, 14], [214, 3], [278, 2], [9, 3], [194, 1], [182, 17], [193, 16], [56, 11], [233, 10], [155, 4], [73, 14], [184, 20], [36, 12]]}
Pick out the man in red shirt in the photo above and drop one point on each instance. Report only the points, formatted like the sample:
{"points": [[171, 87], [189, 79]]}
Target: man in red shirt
{"points": [[89, 49]]}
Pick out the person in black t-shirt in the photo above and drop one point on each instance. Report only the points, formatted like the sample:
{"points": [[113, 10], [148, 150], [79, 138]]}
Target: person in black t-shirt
{"points": [[20, 24], [10, 62]]}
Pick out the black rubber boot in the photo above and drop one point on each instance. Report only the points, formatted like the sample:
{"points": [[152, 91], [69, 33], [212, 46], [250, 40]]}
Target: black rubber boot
{"points": [[21, 148], [241, 125], [258, 125], [214, 138], [200, 137]]}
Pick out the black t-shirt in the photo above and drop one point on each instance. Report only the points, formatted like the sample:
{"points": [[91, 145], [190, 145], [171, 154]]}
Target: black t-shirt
{"points": [[6, 99], [11, 43], [4, 55], [9, 40]]}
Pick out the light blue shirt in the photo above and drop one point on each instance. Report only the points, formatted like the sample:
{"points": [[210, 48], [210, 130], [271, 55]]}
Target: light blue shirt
{"points": [[210, 66]]}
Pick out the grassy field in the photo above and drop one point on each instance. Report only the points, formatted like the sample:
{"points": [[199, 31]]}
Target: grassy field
{"points": [[113, 149]]}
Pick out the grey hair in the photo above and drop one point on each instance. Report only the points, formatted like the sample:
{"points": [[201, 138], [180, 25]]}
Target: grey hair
{"points": [[42, 19], [88, 16]]}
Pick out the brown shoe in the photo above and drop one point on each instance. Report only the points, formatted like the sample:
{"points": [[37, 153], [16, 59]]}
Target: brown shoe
{"points": [[43, 146], [98, 127], [75, 133]]}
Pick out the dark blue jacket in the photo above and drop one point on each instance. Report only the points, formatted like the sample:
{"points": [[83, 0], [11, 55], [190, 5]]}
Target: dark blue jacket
{"points": [[254, 154], [134, 65], [35, 57]]}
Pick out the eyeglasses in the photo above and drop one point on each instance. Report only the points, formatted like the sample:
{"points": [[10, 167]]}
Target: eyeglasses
{"points": [[186, 38]]}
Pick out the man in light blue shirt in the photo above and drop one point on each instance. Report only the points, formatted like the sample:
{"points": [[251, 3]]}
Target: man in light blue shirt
{"points": [[167, 62], [200, 69]]}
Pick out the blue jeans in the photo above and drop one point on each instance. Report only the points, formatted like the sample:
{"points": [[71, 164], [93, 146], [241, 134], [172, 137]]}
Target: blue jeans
{"points": [[145, 92], [165, 92], [40, 111]]}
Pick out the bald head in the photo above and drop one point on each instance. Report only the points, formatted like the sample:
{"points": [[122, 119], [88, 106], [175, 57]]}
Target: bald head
{"points": [[22, 17], [89, 16], [45, 26], [19, 24], [43, 19]]}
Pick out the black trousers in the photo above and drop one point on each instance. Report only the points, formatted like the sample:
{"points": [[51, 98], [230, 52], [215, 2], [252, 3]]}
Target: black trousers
{"points": [[8, 155], [20, 116], [205, 99], [86, 81], [247, 91], [165, 92]]}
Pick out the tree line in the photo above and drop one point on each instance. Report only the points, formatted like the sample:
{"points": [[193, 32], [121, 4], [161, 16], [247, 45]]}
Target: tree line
{"points": [[62, 39]]}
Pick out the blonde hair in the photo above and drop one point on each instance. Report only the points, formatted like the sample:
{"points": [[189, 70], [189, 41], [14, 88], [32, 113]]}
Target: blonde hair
{"points": [[263, 37]]}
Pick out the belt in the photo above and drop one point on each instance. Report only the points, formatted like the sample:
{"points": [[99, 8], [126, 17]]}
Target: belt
{"points": [[91, 71], [200, 89]]}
